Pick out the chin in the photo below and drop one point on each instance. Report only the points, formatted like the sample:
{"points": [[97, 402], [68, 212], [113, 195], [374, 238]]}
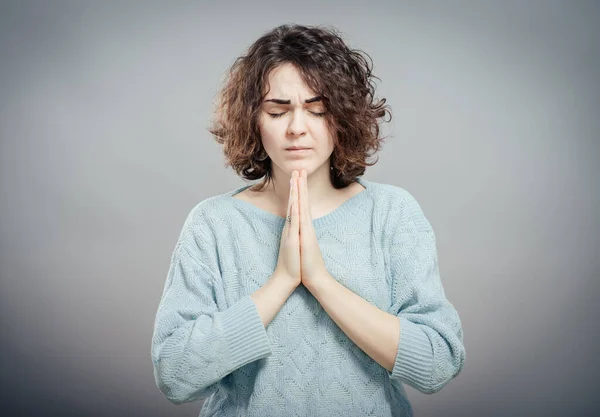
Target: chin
{"points": [[298, 167]]}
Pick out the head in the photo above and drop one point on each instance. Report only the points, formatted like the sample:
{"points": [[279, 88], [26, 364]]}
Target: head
{"points": [[299, 86]]}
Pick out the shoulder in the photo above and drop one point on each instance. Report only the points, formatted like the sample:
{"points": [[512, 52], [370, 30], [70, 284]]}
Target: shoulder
{"points": [[200, 225], [205, 212], [401, 206]]}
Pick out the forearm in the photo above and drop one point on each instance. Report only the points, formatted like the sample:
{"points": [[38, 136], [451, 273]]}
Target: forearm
{"points": [[373, 330], [271, 296]]}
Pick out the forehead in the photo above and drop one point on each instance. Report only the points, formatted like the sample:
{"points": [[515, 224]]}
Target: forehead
{"points": [[287, 80]]}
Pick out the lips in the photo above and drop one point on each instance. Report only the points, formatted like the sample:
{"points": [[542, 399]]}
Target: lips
{"points": [[297, 148]]}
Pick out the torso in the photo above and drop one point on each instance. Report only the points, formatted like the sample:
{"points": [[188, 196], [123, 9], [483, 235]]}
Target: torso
{"points": [[262, 201]]}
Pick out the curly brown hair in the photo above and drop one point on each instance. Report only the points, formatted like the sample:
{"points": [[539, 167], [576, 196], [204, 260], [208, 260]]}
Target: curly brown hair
{"points": [[342, 76]]}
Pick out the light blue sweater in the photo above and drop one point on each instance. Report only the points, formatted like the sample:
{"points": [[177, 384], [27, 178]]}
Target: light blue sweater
{"points": [[209, 341]]}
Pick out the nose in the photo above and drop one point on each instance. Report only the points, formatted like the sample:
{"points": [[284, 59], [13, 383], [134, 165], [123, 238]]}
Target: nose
{"points": [[297, 126]]}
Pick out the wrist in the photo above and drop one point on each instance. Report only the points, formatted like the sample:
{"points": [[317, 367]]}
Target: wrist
{"points": [[283, 282], [318, 286]]}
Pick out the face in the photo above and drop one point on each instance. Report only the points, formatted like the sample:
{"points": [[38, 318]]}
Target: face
{"points": [[295, 118]]}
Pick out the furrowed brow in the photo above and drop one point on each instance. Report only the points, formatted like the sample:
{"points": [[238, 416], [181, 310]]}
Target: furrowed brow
{"points": [[281, 101]]}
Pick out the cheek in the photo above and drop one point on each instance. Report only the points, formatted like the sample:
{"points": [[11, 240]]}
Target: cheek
{"points": [[261, 123], [272, 130], [263, 128], [268, 137]]}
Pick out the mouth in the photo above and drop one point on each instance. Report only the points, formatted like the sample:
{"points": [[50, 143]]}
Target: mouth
{"points": [[297, 149]]}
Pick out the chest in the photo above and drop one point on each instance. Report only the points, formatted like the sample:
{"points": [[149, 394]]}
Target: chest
{"points": [[357, 260], [264, 201]]}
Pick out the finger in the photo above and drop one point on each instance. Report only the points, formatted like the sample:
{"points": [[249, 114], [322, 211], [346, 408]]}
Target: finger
{"points": [[303, 191], [290, 205], [292, 199], [300, 202], [295, 209]]}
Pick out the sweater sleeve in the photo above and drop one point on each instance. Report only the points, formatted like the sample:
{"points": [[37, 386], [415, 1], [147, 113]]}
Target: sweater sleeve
{"points": [[195, 344], [431, 350]]}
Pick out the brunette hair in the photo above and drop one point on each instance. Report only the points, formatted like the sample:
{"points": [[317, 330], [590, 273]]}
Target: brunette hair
{"points": [[340, 75]]}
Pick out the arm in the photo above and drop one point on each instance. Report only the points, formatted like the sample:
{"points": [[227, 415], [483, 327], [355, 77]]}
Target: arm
{"points": [[420, 340], [373, 330], [431, 350], [271, 296], [195, 345]]}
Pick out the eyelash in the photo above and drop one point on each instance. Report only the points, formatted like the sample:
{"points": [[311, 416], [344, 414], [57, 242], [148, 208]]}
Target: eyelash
{"points": [[275, 115]]}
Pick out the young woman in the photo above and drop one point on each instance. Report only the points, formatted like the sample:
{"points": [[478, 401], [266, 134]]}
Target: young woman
{"points": [[314, 292]]}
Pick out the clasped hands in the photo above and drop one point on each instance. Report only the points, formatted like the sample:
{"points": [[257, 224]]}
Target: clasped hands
{"points": [[302, 258]]}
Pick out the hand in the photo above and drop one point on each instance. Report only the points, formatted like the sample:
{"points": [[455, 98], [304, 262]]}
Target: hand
{"points": [[312, 265], [288, 262]]}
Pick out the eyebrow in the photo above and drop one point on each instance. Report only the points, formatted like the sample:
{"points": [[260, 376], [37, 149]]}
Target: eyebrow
{"points": [[281, 101]]}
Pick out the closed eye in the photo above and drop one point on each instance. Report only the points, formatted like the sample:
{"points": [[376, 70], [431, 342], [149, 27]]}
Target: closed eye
{"points": [[275, 115]]}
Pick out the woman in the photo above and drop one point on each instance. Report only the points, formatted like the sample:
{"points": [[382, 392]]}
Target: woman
{"points": [[314, 292]]}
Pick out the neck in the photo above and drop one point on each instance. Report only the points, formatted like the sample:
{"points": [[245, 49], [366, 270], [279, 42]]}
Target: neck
{"points": [[320, 189]]}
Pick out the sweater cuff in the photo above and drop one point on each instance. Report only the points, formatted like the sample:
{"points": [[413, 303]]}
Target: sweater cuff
{"points": [[244, 333], [414, 360]]}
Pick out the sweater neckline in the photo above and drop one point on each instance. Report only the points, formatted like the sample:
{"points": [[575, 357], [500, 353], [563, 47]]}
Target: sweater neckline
{"points": [[331, 217]]}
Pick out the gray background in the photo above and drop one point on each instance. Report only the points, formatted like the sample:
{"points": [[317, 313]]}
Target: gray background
{"points": [[104, 150]]}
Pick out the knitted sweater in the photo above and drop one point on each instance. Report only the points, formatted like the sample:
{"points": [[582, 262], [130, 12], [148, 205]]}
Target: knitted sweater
{"points": [[209, 341]]}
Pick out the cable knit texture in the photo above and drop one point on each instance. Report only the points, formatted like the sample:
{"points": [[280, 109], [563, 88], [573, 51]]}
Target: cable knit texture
{"points": [[209, 341]]}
